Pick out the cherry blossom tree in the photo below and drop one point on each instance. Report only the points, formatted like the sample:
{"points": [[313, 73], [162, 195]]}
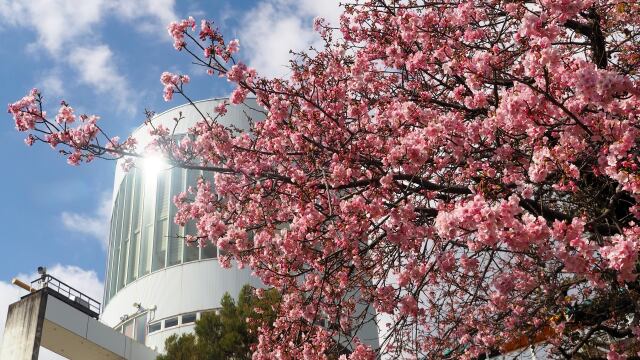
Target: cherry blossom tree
{"points": [[467, 168]]}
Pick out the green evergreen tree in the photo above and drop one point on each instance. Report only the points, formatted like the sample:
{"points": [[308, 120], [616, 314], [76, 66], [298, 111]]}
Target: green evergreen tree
{"points": [[226, 333], [180, 348]]}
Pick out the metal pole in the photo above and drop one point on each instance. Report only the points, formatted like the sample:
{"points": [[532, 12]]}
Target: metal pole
{"points": [[21, 284]]}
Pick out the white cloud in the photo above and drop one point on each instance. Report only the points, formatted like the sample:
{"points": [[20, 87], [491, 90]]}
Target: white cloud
{"points": [[51, 84], [56, 22], [8, 295], [274, 27], [95, 225], [330, 10], [151, 15], [60, 23], [85, 281], [96, 68], [66, 29]]}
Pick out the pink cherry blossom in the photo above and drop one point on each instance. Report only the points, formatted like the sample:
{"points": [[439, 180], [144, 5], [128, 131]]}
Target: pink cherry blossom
{"points": [[172, 83], [221, 108], [234, 46], [177, 29], [65, 115], [469, 169]]}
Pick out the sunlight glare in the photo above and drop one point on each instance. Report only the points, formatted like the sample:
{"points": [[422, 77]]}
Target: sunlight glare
{"points": [[152, 165]]}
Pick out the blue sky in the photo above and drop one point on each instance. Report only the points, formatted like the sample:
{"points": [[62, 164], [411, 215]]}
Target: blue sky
{"points": [[105, 58]]}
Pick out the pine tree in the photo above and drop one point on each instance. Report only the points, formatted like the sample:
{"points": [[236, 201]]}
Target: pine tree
{"points": [[228, 333]]}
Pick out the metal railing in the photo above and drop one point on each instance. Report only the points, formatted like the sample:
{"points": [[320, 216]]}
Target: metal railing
{"points": [[74, 295]]}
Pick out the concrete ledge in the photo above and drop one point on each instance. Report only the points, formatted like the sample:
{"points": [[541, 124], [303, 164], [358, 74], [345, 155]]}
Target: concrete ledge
{"points": [[41, 319]]}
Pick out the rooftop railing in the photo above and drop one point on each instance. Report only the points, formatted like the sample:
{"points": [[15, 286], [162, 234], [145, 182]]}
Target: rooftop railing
{"points": [[71, 294]]}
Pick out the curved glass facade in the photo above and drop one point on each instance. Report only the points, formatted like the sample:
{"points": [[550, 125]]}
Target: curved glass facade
{"points": [[143, 236]]}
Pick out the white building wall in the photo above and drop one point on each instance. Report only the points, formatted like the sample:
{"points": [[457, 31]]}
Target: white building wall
{"points": [[164, 290], [180, 289], [236, 115]]}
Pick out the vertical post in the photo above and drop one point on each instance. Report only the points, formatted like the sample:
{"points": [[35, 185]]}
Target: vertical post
{"points": [[23, 329]]}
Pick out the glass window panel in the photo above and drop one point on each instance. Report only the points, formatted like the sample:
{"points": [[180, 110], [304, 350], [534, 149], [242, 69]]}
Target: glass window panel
{"points": [[155, 327], [189, 318], [124, 252], [148, 221], [209, 176], [171, 322], [114, 268], [191, 251], [130, 223], [163, 201], [192, 178], [209, 250], [141, 328], [122, 231], [132, 268], [145, 251], [149, 199], [126, 230], [136, 205], [175, 231], [160, 245], [126, 207], [123, 234], [108, 287], [117, 213], [175, 249]]}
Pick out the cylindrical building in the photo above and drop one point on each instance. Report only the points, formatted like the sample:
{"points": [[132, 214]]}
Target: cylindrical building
{"points": [[155, 284]]}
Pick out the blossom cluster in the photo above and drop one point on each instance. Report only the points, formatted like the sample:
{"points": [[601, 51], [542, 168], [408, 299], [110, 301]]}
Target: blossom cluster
{"points": [[470, 170], [177, 30], [171, 83]]}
